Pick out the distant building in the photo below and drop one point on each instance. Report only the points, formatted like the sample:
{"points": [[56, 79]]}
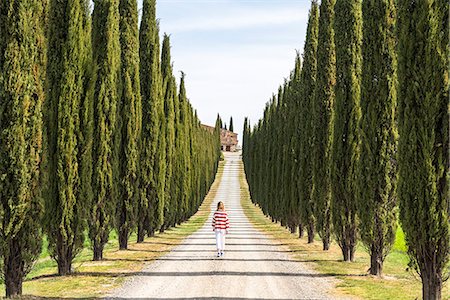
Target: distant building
{"points": [[228, 139]]}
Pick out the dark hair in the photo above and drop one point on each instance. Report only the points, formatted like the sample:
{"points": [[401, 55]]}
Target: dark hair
{"points": [[219, 204]]}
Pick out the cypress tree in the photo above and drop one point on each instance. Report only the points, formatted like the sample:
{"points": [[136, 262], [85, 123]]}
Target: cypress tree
{"points": [[293, 199], [176, 161], [423, 125], [169, 93], [69, 60], [231, 124], [245, 141], [160, 168], [22, 72], [184, 151], [150, 77], [322, 126], [376, 166], [344, 153], [307, 81], [130, 111], [106, 46]]}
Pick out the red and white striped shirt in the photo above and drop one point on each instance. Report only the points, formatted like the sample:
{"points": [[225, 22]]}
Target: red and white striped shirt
{"points": [[220, 220]]}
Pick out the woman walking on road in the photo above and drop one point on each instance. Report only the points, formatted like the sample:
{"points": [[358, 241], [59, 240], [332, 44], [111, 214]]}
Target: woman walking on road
{"points": [[220, 223]]}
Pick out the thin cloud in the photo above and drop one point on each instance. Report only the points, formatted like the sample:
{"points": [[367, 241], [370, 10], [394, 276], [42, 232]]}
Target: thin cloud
{"points": [[239, 20]]}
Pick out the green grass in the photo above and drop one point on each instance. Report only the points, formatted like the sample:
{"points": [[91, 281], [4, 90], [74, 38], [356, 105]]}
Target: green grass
{"points": [[352, 278], [96, 279], [400, 243]]}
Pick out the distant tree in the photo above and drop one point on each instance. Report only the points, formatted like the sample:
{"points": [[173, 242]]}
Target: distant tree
{"points": [[68, 116], [377, 163], [225, 126], [231, 124], [106, 49], [322, 108], [22, 70], [344, 153], [423, 124]]}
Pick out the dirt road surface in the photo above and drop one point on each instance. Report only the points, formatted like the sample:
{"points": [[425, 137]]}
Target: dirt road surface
{"points": [[254, 266]]}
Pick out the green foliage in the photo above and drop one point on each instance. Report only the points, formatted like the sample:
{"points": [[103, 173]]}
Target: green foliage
{"points": [[68, 108], [344, 149], [378, 133], [423, 148], [231, 124], [22, 74], [305, 121], [322, 121], [130, 113], [150, 144], [106, 48], [169, 95]]}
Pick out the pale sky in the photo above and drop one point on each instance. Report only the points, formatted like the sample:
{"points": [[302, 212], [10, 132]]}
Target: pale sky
{"points": [[235, 53]]}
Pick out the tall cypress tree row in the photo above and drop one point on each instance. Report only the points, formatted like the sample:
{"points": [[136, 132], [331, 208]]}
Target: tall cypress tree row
{"points": [[106, 48], [376, 166], [169, 94], [68, 108], [322, 126], [344, 152], [307, 82], [150, 77], [22, 72], [131, 121], [423, 120], [231, 124]]}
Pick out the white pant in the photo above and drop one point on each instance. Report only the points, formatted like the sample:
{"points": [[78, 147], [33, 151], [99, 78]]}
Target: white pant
{"points": [[220, 239]]}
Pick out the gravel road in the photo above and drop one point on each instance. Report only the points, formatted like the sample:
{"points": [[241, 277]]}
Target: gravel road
{"points": [[254, 267]]}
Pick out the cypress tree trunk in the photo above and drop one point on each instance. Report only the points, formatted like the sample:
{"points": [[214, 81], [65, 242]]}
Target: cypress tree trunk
{"points": [[301, 231], [22, 75], [68, 104], [423, 125], [310, 232], [376, 259], [348, 30], [14, 271], [107, 59], [98, 250], [322, 126], [142, 229], [131, 116], [376, 165]]}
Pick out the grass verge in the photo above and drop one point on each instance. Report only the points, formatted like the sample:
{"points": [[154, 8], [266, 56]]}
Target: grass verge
{"points": [[354, 281], [96, 279]]}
